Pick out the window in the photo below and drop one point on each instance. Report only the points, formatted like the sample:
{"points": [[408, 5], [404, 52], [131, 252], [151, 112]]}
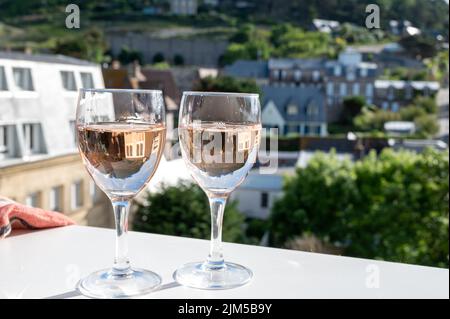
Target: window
{"points": [[76, 195], [276, 75], [408, 92], [337, 70], [33, 199], [330, 88], [343, 89], [364, 72], [316, 76], [3, 84], [23, 79], [307, 129], [87, 81], [369, 90], [385, 105], [356, 89], [31, 134], [264, 200], [351, 74], [390, 93], [297, 75], [55, 203], [292, 109], [283, 74], [312, 110], [395, 107], [4, 143], [293, 129], [68, 80], [95, 192]]}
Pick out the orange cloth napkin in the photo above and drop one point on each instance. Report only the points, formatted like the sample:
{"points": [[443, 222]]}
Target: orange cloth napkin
{"points": [[17, 216]]}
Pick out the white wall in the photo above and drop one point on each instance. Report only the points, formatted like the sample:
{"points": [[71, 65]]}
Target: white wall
{"points": [[249, 202], [49, 104]]}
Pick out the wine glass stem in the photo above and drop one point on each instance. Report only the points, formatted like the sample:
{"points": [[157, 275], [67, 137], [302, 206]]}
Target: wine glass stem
{"points": [[215, 259], [121, 263]]}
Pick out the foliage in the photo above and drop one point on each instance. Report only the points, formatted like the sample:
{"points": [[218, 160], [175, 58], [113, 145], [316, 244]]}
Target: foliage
{"points": [[393, 206], [89, 45], [227, 84], [372, 119], [418, 46], [127, 56], [178, 59], [422, 112], [158, 58], [352, 106], [183, 210], [405, 74], [161, 66]]}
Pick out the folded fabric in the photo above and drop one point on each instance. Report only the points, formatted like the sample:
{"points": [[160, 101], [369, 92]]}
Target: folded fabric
{"points": [[16, 216]]}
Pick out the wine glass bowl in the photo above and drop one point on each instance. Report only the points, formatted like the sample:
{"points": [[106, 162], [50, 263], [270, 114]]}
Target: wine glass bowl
{"points": [[121, 137], [219, 139]]}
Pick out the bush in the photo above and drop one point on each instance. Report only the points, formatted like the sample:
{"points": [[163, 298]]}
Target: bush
{"points": [[158, 58], [183, 210], [392, 207], [352, 106], [178, 59], [227, 84], [127, 56]]}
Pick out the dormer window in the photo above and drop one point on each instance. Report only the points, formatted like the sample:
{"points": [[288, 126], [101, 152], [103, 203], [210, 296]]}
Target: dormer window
{"points": [[23, 79], [276, 74], [391, 92], [351, 74], [68, 80], [364, 72], [87, 80], [297, 75], [292, 109], [316, 76], [283, 75], [337, 70], [3, 84]]}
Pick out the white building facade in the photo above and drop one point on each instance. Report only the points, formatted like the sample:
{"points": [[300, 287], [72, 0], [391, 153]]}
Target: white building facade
{"points": [[38, 97]]}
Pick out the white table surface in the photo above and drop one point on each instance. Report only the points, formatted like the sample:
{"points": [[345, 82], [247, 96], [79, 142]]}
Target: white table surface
{"points": [[48, 264]]}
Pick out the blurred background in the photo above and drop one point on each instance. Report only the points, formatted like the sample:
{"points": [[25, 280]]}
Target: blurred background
{"points": [[362, 115]]}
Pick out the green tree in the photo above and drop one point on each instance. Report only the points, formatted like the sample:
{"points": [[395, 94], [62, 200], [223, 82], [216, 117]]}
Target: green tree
{"points": [[183, 210], [158, 58], [127, 56], [89, 45], [372, 119], [178, 59], [352, 107], [392, 206], [227, 84]]}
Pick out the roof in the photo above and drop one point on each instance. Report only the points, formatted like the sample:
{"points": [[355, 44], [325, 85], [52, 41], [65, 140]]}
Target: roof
{"points": [[317, 63], [302, 97], [248, 69], [161, 80], [272, 182], [44, 58], [418, 85]]}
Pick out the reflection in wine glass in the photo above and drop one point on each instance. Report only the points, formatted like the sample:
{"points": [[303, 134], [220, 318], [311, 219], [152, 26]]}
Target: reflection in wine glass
{"points": [[121, 136], [219, 139]]}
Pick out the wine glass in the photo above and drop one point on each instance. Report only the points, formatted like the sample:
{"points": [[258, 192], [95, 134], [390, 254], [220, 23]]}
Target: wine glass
{"points": [[219, 138], [121, 136]]}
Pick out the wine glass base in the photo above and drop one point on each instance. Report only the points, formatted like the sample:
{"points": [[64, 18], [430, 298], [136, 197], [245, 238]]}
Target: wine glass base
{"points": [[196, 275], [105, 284]]}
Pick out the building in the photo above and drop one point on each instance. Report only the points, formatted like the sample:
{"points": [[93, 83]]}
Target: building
{"points": [[248, 69], [391, 95], [183, 7], [294, 110], [257, 193], [348, 76], [39, 161], [134, 77]]}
